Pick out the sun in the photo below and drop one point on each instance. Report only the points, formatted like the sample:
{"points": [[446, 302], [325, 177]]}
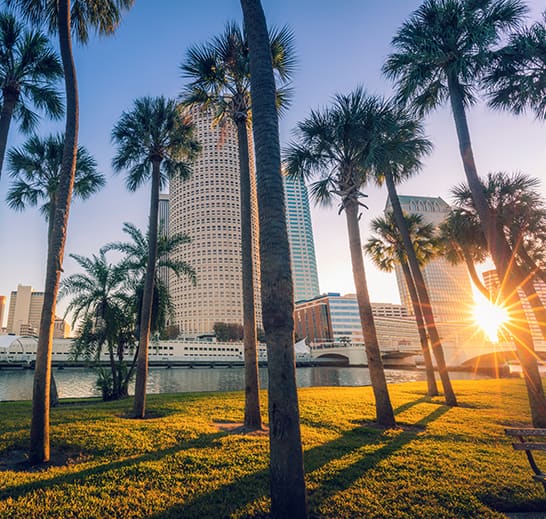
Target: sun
{"points": [[490, 318]]}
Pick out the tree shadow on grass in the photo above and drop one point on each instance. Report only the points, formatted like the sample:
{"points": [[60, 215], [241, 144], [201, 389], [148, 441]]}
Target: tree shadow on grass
{"points": [[14, 491], [234, 496]]}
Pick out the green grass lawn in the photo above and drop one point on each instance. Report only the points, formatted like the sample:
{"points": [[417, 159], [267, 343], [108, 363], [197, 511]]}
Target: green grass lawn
{"points": [[440, 462]]}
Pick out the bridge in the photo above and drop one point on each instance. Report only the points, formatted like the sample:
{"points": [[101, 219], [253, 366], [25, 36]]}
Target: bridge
{"points": [[354, 354]]}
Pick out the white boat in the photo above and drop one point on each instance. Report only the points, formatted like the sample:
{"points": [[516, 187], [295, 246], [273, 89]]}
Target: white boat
{"points": [[16, 349]]}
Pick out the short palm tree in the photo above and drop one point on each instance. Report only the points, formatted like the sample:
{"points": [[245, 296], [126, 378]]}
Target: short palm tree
{"points": [[135, 261], [520, 213], [517, 78], [386, 249], [462, 241], [29, 72], [100, 298], [154, 142], [442, 53], [402, 148], [64, 18], [337, 145], [220, 81], [36, 168], [287, 482]]}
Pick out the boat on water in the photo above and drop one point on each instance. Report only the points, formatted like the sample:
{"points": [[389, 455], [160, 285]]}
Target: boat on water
{"points": [[21, 350]]}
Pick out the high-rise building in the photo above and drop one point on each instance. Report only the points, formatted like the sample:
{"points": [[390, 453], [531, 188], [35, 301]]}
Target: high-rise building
{"points": [[163, 220], [300, 236], [61, 329], [491, 282], [25, 310], [448, 285], [2, 311], [333, 317], [207, 208]]}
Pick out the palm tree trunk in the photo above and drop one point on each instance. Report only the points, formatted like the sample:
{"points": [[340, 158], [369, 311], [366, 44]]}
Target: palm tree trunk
{"points": [[383, 407], [10, 99], [432, 389], [502, 257], [287, 480], [53, 393], [253, 419], [139, 407], [39, 431], [422, 293], [474, 275]]}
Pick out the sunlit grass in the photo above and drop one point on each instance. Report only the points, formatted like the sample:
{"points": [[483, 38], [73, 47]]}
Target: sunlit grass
{"points": [[441, 462]]}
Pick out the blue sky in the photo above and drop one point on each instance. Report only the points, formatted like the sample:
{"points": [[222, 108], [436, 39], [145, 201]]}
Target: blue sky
{"points": [[339, 45]]}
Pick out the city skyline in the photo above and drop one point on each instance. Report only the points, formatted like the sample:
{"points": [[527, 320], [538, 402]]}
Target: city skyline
{"points": [[326, 65]]}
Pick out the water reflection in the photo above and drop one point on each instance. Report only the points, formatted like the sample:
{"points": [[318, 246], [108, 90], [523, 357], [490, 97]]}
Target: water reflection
{"points": [[74, 382]]}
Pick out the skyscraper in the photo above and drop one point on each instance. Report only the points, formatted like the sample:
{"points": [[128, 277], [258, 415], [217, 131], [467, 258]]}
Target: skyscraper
{"points": [[163, 220], [300, 236], [448, 285], [25, 310], [207, 208]]}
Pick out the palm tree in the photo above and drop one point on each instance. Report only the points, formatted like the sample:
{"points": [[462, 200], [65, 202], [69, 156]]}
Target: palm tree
{"points": [[155, 142], [338, 145], [462, 241], [29, 70], [442, 54], [135, 263], [517, 78], [101, 299], [63, 19], [386, 249], [286, 457], [36, 168], [402, 148], [220, 81], [520, 214]]}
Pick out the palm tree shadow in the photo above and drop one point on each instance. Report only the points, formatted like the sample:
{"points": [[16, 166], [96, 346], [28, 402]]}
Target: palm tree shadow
{"points": [[233, 496]]}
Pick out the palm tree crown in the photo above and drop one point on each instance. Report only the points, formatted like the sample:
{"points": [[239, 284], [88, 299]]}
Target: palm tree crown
{"points": [[445, 41], [29, 69], [36, 168], [517, 79], [154, 131]]}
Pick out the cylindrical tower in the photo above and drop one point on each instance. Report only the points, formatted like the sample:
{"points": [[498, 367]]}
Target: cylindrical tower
{"points": [[207, 208]]}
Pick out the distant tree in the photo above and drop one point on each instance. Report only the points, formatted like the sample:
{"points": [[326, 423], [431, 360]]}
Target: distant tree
{"points": [[100, 298], [29, 72], [337, 146], [386, 249], [442, 54], [286, 457], [228, 332], [154, 142], [517, 77], [63, 19], [220, 81], [36, 168]]}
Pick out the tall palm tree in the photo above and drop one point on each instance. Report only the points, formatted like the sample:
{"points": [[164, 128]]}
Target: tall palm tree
{"points": [[338, 145], [154, 142], [100, 297], [29, 71], [220, 81], [399, 156], [36, 168], [287, 481], [517, 78], [64, 18], [386, 249], [442, 53], [135, 262]]}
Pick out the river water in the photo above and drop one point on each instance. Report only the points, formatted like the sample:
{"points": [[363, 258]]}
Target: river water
{"points": [[16, 384]]}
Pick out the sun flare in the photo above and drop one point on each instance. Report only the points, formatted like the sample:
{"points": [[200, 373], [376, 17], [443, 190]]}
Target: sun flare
{"points": [[490, 318]]}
